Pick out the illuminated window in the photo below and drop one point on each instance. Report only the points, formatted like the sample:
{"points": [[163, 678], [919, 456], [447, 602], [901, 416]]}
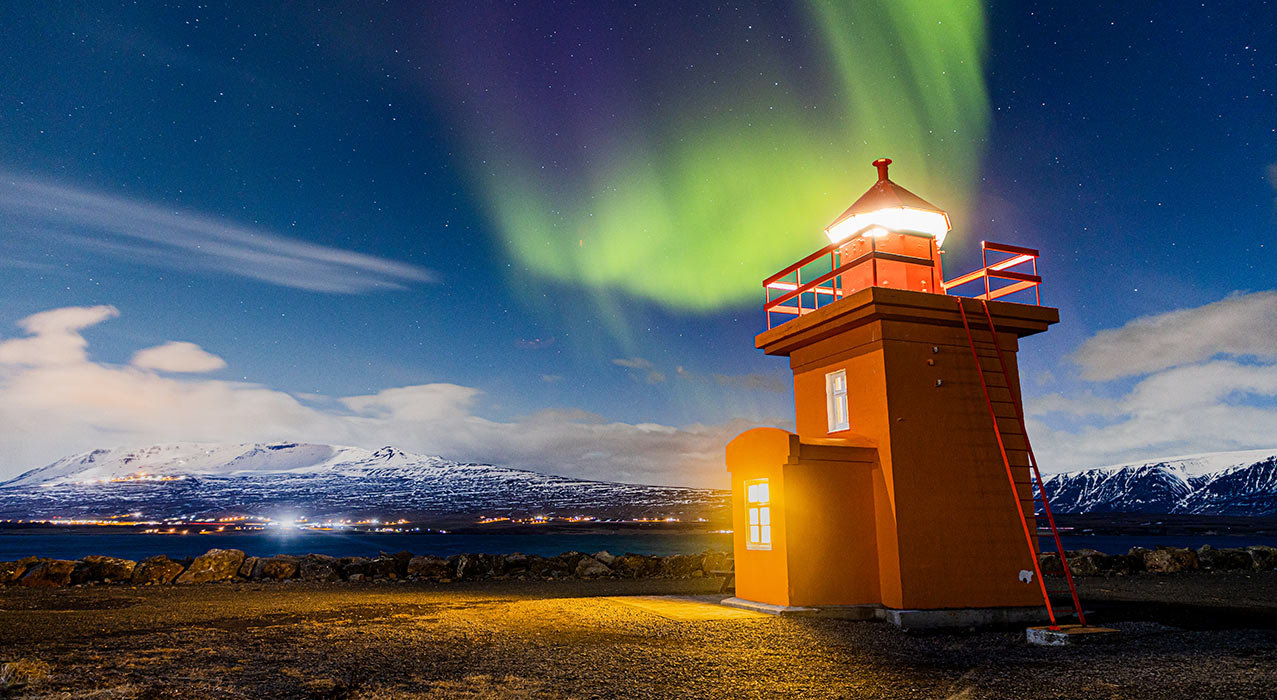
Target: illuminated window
{"points": [[758, 501], [836, 393]]}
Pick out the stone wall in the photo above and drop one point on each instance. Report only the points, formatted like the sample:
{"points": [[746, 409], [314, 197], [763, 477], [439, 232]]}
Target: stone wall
{"points": [[233, 565]]}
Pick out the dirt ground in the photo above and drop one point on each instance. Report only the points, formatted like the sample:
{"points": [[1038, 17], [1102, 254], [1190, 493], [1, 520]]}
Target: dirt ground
{"points": [[1182, 636]]}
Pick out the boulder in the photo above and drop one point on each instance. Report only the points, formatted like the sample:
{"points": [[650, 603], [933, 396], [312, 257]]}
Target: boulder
{"points": [[1227, 559], [1134, 562], [158, 569], [553, 567], [636, 566], [1049, 563], [589, 567], [213, 565], [48, 573], [353, 566], [716, 561], [681, 566], [1235, 559], [11, 571], [401, 562], [280, 567], [468, 566], [1263, 557], [605, 557], [1166, 560], [1086, 562], [382, 567], [493, 564], [246, 569], [428, 567], [570, 560], [1122, 564], [319, 567], [515, 564], [96, 568], [1138, 553]]}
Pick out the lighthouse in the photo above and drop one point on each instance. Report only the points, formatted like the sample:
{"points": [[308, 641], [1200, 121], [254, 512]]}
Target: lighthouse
{"points": [[906, 490]]}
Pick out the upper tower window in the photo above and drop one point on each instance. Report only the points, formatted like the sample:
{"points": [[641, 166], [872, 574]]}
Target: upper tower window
{"points": [[836, 393]]}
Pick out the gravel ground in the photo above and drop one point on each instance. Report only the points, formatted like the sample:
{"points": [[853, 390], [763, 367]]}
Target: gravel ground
{"points": [[1182, 636]]}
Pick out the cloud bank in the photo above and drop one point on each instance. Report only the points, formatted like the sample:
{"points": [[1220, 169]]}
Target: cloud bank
{"points": [[153, 235], [55, 400]]}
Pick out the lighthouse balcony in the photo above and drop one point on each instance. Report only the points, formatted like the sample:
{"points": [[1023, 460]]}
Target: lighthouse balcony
{"points": [[901, 260]]}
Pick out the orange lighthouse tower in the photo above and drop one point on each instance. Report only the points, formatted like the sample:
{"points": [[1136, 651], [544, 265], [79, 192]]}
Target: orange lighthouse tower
{"points": [[908, 491]]}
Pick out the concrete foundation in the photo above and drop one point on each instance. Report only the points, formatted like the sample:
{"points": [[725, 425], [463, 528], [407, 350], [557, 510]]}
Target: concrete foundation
{"points": [[841, 612], [1068, 634], [962, 618], [957, 618]]}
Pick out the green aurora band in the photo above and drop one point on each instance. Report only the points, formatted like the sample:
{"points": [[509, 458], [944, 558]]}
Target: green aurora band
{"points": [[716, 189]]}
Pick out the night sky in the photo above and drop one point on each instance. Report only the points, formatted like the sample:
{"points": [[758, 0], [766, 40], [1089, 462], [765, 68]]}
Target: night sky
{"points": [[535, 233]]}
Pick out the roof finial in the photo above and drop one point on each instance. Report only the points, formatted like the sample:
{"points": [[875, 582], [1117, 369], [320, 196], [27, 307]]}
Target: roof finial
{"points": [[881, 164]]}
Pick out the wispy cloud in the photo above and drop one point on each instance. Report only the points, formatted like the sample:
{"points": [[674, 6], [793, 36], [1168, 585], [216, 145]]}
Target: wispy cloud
{"points": [[178, 356], [154, 235], [641, 368], [753, 381], [54, 401], [1243, 325]]}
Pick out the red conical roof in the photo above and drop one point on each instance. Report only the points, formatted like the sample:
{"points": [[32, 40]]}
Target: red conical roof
{"points": [[885, 194], [889, 207]]}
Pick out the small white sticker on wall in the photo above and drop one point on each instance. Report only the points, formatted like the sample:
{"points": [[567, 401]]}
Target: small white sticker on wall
{"points": [[1026, 576]]}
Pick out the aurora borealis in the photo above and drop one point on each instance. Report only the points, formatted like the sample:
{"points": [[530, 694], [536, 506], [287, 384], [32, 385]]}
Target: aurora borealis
{"points": [[753, 143]]}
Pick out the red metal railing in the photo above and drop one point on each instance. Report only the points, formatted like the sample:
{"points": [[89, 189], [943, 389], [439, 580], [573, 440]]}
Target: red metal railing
{"points": [[1001, 270], [794, 292], [827, 286], [824, 269]]}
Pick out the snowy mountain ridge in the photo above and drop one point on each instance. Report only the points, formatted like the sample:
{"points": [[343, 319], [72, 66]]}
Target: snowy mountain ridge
{"points": [[189, 479], [208, 459], [1217, 483]]}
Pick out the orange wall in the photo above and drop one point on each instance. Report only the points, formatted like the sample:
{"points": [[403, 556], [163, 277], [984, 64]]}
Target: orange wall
{"points": [[962, 544], [859, 352], [761, 575], [833, 552]]}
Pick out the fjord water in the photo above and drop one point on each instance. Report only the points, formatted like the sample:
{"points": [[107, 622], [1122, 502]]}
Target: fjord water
{"points": [[74, 543]]}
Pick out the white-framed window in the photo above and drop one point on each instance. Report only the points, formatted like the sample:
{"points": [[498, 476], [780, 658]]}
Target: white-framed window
{"points": [[836, 393], [758, 502]]}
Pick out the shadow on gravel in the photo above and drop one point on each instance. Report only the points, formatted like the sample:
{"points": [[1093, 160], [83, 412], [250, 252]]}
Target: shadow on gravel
{"points": [[1182, 615]]}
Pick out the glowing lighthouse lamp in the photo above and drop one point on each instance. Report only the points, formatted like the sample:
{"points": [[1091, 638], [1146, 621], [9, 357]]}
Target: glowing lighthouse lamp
{"points": [[907, 489]]}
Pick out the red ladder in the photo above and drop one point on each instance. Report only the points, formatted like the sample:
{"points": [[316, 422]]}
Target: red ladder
{"points": [[1038, 494]]}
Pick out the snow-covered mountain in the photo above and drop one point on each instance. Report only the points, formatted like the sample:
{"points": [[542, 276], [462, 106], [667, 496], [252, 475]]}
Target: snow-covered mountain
{"points": [[318, 481], [1220, 483]]}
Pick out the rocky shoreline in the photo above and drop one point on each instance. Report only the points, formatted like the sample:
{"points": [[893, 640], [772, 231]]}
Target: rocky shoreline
{"points": [[220, 565]]}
